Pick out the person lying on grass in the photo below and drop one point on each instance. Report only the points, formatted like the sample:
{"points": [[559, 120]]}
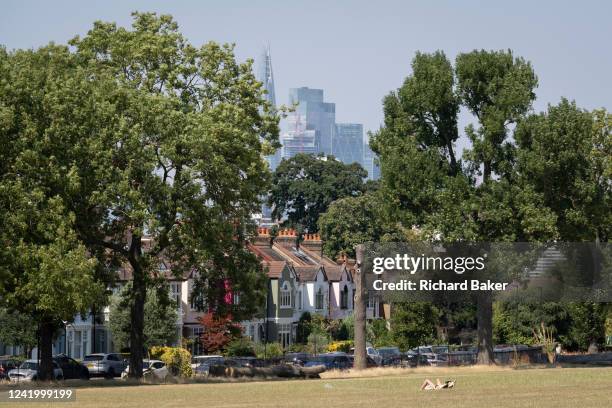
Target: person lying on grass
{"points": [[429, 385]]}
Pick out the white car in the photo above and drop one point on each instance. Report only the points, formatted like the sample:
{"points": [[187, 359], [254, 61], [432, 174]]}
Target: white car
{"points": [[28, 371], [154, 370], [198, 360], [105, 365]]}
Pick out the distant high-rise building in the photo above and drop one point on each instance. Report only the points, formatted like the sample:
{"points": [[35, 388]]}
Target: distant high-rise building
{"points": [[316, 115], [369, 161], [298, 139], [347, 144], [265, 75]]}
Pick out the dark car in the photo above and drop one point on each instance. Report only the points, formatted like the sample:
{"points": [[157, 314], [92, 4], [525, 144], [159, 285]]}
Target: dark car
{"points": [[7, 364], [203, 368], [71, 368], [331, 361], [391, 356], [412, 359], [296, 358], [370, 363]]}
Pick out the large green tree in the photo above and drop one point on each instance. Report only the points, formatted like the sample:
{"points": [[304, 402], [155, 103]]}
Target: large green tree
{"points": [[46, 272], [160, 318], [152, 150], [477, 199], [351, 221], [305, 185], [18, 329]]}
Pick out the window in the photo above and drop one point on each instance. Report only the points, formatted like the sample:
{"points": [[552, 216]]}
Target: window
{"points": [[285, 295], [284, 334], [198, 302], [299, 305], [344, 298], [196, 332], [236, 297], [354, 294], [175, 293], [319, 299], [371, 302]]}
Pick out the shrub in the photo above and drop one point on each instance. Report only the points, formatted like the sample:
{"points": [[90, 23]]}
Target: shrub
{"points": [[344, 346], [242, 347], [269, 350], [317, 343], [177, 359]]}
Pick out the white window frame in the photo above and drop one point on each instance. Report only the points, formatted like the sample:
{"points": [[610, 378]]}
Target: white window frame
{"points": [[285, 296]]}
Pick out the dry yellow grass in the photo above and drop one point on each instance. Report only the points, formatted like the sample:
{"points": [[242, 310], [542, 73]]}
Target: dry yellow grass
{"points": [[476, 388]]}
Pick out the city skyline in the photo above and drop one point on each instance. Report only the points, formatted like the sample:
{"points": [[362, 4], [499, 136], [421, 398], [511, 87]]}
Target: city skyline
{"points": [[360, 53]]}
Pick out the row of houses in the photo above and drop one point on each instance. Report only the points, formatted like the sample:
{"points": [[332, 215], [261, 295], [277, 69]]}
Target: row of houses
{"points": [[300, 280]]}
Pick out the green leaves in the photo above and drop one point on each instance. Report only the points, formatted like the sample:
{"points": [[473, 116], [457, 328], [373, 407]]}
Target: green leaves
{"points": [[304, 186]]}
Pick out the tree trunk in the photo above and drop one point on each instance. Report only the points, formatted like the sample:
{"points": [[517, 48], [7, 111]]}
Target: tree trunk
{"points": [[45, 353], [360, 313], [485, 328], [139, 294]]}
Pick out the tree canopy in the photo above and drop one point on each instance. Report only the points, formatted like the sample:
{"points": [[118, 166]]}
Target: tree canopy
{"points": [[305, 185], [134, 147]]}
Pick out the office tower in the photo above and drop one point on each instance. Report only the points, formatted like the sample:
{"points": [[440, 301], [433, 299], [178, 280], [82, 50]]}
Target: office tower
{"points": [[347, 143], [298, 139], [266, 77], [316, 115], [369, 161]]}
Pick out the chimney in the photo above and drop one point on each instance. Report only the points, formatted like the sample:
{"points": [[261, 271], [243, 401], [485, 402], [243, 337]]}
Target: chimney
{"points": [[263, 238], [286, 238], [312, 242]]}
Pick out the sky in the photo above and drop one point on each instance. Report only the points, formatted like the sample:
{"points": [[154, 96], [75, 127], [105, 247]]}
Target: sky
{"points": [[359, 51]]}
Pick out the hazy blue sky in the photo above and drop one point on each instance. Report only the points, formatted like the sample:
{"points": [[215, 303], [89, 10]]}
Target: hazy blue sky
{"points": [[358, 51]]}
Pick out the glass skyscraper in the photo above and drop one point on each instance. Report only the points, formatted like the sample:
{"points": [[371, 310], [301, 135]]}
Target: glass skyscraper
{"points": [[369, 161], [347, 143], [265, 75], [315, 114]]}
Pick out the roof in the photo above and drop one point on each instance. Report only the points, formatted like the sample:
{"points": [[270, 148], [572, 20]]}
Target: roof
{"points": [[308, 273], [274, 268]]}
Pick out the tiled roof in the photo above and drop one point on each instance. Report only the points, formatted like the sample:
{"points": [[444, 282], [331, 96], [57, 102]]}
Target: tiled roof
{"points": [[274, 268], [307, 273]]}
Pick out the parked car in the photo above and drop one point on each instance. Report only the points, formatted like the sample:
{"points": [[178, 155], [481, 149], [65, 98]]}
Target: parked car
{"points": [[71, 368], [7, 364], [197, 360], [331, 361], [372, 353], [154, 370], [105, 365], [29, 371], [296, 358], [370, 363], [412, 359], [391, 356], [204, 367]]}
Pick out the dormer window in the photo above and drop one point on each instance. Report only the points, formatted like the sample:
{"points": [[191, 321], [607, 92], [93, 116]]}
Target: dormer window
{"points": [[285, 295]]}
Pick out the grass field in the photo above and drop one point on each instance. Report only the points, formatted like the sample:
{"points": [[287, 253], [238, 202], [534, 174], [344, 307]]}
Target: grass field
{"points": [[475, 388]]}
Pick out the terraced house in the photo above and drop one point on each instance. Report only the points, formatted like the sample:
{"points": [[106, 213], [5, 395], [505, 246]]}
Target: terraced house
{"points": [[301, 279]]}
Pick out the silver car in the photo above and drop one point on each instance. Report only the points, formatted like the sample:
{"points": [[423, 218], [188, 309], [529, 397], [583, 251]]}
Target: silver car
{"points": [[152, 370], [105, 365], [28, 371]]}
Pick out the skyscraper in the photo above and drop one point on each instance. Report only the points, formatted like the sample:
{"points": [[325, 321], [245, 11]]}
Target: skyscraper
{"points": [[369, 161], [315, 114], [265, 75], [298, 139], [347, 143]]}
